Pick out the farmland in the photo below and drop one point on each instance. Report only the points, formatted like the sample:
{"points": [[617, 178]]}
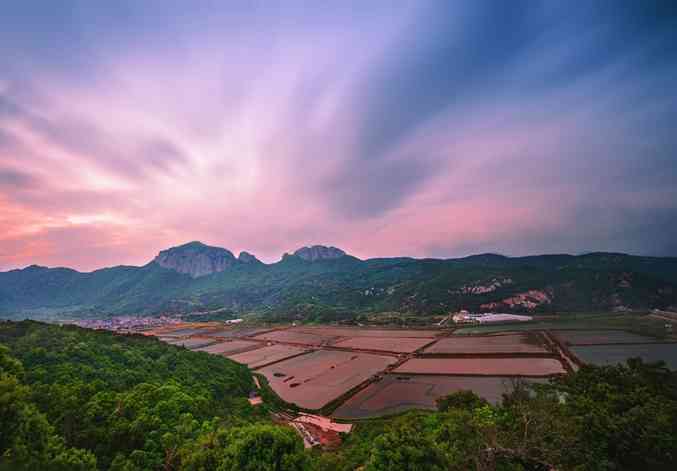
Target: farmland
{"points": [[614, 354], [506, 343], [232, 347], [364, 372], [296, 336], [386, 344], [192, 342], [315, 379], [483, 366], [266, 355], [601, 337], [397, 393]]}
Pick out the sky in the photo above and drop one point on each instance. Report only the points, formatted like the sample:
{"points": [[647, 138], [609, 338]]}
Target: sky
{"points": [[417, 128]]}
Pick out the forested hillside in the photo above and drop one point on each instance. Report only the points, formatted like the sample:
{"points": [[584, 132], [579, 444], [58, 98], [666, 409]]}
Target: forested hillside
{"points": [[73, 399], [325, 283], [77, 399]]}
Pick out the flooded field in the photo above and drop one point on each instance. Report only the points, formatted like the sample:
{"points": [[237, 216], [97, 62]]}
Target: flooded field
{"points": [[265, 355], [596, 337], [370, 332], [386, 344], [183, 332], [234, 332], [507, 343], [192, 343], [232, 346], [296, 336], [483, 366], [307, 368], [397, 393], [614, 354], [313, 380]]}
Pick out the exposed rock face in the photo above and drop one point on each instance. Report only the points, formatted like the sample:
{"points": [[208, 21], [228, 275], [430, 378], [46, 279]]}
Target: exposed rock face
{"points": [[528, 300], [246, 257], [487, 287], [319, 252], [196, 259]]}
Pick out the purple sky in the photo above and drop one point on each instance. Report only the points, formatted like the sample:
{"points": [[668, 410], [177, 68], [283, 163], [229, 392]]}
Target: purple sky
{"points": [[384, 128]]}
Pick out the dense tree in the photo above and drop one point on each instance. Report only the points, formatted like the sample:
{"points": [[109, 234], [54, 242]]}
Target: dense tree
{"points": [[460, 400], [27, 440], [407, 449], [132, 402]]}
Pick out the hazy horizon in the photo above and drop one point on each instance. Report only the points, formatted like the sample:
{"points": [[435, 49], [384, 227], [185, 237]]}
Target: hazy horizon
{"points": [[422, 129]]}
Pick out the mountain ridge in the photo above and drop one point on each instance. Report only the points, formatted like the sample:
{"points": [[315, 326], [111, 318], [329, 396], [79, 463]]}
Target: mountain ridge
{"points": [[197, 277]]}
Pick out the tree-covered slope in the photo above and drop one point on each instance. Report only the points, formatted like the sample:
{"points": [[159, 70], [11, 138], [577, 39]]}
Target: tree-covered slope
{"points": [[117, 402], [344, 285]]}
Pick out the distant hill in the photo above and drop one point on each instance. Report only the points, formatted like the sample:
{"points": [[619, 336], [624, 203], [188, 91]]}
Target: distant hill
{"points": [[195, 277]]}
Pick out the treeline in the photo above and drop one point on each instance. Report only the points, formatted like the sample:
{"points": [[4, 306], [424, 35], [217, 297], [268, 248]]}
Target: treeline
{"points": [[73, 399]]}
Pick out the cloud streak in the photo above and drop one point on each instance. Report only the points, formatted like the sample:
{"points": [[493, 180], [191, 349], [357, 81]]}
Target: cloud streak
{"points": [[423, 129]]}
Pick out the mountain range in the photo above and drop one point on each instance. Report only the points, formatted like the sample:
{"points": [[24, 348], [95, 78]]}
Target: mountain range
{"points": [[329, 283]]}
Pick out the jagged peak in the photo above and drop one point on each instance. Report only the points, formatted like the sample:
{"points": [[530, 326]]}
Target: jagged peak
{"points": [[196, 245], [196, 259], [319, 252], [246, 257]]}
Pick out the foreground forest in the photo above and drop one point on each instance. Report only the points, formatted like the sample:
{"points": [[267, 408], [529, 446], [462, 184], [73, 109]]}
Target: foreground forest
{"points": [[75, 399]]}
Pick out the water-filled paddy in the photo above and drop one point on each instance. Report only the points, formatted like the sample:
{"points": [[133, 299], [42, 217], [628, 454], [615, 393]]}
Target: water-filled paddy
{"points": [[184, 331], [192, 343], [614, 354], [265, 355], [295, 336], [230, 347], [483, 366], [370, 332], [234, 332], [397, 393], [526, 342], [385, 344], [593, 337], [313, 380]]}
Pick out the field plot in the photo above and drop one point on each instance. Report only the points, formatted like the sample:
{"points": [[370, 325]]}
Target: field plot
{"points": [[370, 332], [483, 366], [397, 393], [191, 343], [598, 337], [183, 332], [311, 381], [297, 336], [525, 342], [232, 346], [614, 354], [234, 332], [385, 344], [265, 355]]}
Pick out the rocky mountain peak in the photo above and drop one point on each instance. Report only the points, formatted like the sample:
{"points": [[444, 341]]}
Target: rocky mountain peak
{"points": [[319, 252], [246, 257], [196, 259]]}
